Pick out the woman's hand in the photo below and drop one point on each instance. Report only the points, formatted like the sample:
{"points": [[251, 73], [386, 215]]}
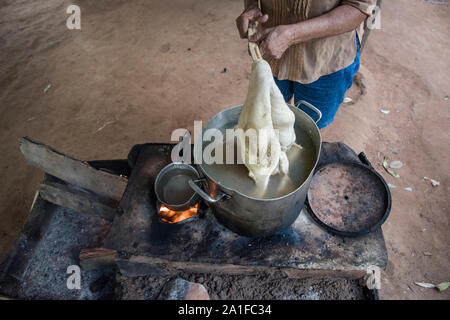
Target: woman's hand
{"points": [[251, 14], [273, 42]]}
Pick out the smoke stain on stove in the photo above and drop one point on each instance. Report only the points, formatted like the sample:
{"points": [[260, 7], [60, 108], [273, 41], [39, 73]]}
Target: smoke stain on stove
{"points": [[266, 246], [163, 234]]}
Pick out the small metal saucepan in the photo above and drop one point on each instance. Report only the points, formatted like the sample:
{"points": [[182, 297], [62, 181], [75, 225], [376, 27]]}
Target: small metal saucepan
{"points": [[172, 186]]}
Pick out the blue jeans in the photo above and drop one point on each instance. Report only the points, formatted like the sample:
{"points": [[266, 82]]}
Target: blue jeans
{"points": [[327, 93]]}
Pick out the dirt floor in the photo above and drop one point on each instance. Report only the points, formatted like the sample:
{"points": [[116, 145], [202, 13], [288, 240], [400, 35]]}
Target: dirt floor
{"points": [[245, 288], [139, 69]]}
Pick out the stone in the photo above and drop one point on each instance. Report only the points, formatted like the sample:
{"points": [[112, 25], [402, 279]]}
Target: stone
{"points": [[180, 289]]}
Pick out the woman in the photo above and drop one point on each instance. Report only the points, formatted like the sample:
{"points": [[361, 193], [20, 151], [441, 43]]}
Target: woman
{"points": [[311, 45]]}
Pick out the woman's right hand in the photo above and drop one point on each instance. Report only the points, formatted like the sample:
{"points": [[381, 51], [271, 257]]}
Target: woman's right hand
{"points": [[251, 14]]}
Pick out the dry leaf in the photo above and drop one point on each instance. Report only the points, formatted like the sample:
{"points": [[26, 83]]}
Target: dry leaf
{"points": [[441, 287], [396, 164], [425, 285], [434, 183], [105, 125], [391, 172], [348, 100]]}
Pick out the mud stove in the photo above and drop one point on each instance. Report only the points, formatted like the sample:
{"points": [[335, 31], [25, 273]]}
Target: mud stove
{"points": [[146, 244], [69, 225]]}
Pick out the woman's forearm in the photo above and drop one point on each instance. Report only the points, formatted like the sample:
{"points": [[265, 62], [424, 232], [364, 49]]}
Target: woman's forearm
{"points": [[249, 3], [342, 19]]}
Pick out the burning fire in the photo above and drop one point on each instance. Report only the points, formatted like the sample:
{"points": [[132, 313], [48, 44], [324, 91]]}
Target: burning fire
{"points": [[170, 216]]}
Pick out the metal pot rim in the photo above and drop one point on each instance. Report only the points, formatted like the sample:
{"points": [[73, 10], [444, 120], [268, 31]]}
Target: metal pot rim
{"points": [[294, 109], [166, 169]]}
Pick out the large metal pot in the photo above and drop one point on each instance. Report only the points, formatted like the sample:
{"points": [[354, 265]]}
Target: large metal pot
{"points": [[241, 213]]}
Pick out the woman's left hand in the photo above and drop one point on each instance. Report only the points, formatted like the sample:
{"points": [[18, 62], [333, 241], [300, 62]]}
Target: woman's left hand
{"points": [[273, 42]]}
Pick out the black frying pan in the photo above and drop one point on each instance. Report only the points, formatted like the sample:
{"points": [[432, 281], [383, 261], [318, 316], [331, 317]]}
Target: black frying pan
{"points": [[349, 198]]}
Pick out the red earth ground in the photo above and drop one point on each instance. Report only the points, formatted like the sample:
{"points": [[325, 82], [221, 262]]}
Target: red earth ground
{"points": [[139, 69]]}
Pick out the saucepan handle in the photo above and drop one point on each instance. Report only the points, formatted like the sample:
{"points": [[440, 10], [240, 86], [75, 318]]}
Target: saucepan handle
{"points": [[193, 184], [312, 108]]}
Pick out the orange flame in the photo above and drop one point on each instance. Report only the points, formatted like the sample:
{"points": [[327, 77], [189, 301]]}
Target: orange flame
{"points": [[170, 216]]}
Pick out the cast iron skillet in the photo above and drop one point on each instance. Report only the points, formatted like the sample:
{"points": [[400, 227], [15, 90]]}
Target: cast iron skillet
{"points": [[349, 198]]}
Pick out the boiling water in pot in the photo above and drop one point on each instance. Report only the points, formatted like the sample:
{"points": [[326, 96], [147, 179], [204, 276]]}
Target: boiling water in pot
{"points": [[235, 176]]}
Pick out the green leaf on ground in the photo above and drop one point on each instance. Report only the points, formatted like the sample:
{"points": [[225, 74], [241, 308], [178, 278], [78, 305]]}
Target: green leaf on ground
{"points": [[47, 87], [443, 286]]}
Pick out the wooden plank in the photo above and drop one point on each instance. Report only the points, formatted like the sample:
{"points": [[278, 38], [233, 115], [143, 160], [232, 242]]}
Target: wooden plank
{"points": [[74, 171], [96, 258], [144, 265], [80, 201]]}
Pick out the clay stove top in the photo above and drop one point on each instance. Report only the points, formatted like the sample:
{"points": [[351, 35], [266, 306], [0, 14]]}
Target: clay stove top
{"points": [[146, 245]]}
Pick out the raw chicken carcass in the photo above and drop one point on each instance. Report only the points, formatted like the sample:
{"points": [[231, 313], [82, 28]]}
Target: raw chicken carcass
{"points": [[266, 113]]}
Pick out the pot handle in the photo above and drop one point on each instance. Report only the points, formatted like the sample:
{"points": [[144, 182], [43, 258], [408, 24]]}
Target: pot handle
{"points": [[204, 195], [310, 107]]}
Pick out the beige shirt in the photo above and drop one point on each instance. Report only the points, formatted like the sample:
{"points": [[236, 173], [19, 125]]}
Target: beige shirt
{"points": [[307, 62]]}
